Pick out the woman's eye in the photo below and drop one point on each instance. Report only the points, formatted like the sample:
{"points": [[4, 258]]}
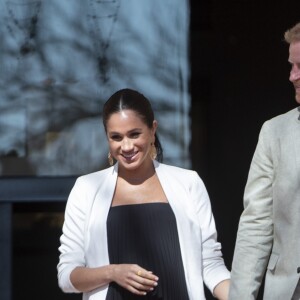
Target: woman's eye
{"points": [[116, 137], [135, 135]]}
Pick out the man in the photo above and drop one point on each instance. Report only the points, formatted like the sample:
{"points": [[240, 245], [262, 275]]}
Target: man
{"points": [[268, 239]]}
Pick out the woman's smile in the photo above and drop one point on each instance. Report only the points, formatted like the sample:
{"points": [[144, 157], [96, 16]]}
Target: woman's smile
{"points": [[130, 156], [130, 140]]}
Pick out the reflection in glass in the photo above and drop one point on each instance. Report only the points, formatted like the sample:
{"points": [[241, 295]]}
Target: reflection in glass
{"points": [[60, 61]]}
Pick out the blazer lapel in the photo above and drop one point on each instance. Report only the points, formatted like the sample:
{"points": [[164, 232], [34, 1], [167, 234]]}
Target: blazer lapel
{"points": [[98, 251], [189, 232]]}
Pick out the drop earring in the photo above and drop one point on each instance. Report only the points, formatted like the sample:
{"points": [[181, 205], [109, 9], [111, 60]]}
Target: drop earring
{"points": [[153, 152], [110, 159]]}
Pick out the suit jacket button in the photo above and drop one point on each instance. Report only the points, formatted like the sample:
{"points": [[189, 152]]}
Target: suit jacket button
{"points": [[298, 270]]}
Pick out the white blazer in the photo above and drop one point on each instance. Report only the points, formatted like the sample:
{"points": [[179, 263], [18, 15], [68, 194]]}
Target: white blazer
{"points": [[84, 238]]}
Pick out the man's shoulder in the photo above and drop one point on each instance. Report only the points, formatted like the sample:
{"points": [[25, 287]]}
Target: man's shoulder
{"points": [[281, 126], [284, 120], [290, 115]]}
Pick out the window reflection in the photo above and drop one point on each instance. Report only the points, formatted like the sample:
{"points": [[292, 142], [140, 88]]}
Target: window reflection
{"points": [[60, 60]]}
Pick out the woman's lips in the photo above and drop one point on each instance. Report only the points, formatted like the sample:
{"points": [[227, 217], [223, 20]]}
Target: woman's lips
{"points": [[129, 156]]}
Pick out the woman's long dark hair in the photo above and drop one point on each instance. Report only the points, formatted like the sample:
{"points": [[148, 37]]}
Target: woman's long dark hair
{"points": [[137, 102]]}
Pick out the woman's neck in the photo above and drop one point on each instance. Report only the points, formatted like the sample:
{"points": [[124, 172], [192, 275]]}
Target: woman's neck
{"points": [[137, 176]]}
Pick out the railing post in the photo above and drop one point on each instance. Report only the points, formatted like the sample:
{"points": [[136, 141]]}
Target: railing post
{"points": [[5, 250]]}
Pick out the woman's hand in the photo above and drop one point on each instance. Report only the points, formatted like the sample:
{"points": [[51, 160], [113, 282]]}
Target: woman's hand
{"points": [[221, 291], [134, 278]]}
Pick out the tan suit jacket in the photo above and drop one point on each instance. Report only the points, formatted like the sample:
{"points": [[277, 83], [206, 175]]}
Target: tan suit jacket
{"points": [[268, 238]]}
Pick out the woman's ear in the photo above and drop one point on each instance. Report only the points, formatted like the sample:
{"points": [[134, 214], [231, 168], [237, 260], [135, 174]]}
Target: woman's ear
{"points": [[154, 126]]}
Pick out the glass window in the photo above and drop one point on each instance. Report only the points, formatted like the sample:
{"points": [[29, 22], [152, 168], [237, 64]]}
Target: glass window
{"points": [[60, 60]]}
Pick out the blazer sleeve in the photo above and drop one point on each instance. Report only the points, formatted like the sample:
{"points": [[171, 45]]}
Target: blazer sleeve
{"points": [[214, 269], [72, 239], [255, 232]]}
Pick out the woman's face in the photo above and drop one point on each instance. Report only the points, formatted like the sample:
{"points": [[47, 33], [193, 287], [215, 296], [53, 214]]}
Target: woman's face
{"points": [[130, 139]]}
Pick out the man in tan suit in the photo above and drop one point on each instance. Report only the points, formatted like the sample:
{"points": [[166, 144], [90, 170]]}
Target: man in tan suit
{"points": [[268, 239]]}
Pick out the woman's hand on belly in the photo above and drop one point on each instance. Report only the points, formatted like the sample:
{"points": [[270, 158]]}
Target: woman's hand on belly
{"points": [[134, 278]]}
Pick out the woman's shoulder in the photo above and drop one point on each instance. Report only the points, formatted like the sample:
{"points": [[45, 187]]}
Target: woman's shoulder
{"points": [[181, 177], [176, 170], [96, 178]]}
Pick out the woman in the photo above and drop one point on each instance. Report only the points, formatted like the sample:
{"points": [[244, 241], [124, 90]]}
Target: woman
{"points": [[139, 229]]}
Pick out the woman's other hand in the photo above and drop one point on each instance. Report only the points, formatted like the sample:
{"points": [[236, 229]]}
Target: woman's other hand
{"points": [[134, 278]]}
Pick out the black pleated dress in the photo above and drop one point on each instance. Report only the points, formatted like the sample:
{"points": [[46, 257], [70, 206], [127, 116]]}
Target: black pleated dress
{"points": [[146, 234]]}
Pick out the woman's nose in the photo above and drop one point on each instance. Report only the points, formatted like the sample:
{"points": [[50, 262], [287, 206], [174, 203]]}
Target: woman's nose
{"points": [[126, 144]]}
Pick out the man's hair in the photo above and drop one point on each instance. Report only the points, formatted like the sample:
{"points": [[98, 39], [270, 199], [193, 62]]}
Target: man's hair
{"points": [[293, 34]]}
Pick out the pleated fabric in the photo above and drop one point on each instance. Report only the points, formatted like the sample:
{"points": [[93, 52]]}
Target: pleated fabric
{"points": [[146, 234]]}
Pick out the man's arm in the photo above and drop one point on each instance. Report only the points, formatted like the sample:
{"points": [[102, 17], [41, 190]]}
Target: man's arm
{"points": [[255, 232]]}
